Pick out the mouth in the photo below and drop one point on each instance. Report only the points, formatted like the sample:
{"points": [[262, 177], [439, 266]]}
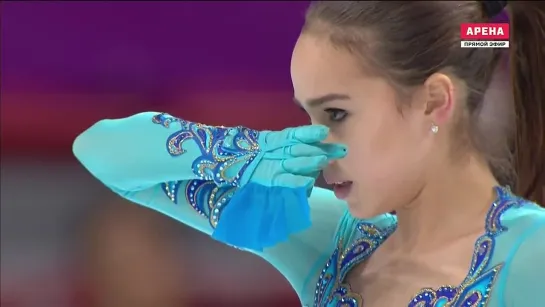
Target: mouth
{"points": [[342, 189]]}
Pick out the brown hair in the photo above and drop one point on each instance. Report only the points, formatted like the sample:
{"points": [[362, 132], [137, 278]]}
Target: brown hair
{"points": [[411, 40]]}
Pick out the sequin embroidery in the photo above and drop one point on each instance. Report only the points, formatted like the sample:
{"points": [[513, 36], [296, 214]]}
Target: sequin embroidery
{"points": [[330, 289], [203, 196], [473, 291], [225, 153]]}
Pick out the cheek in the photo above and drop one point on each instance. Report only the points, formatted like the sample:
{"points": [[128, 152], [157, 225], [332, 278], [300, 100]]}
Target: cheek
{"points": [[381, 150], [383, 161]]}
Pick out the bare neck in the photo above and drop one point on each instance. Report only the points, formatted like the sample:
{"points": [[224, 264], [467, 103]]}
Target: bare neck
{"points": [[453, 203]]}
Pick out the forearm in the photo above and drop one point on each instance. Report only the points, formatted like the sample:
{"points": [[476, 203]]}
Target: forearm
{"points": [[196, 203]]}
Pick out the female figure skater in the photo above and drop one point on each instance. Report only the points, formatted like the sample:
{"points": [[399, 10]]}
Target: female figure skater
{"points": [[390, 81]]}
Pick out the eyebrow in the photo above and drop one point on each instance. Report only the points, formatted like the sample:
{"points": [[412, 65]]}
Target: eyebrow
{"points": [[314, 102]]}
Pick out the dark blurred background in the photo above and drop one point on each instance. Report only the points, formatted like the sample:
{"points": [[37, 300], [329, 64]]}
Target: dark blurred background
{"points": [[66, 241]]}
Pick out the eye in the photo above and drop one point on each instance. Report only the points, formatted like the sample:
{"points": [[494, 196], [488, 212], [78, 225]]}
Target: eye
{"points": [[336, 115]]}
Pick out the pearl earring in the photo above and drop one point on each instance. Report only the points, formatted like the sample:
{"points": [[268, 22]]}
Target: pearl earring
{"points": [[434, 128]]}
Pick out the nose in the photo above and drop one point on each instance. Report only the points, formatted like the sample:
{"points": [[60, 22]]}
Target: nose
{"points": [[330, 138]]}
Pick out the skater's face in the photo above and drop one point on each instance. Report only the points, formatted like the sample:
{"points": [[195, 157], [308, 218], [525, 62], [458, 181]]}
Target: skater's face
{"points": [[387, 147]]}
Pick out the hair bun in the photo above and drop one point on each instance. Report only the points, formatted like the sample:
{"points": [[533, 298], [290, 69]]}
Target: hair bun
{"points": [[493, 8]]}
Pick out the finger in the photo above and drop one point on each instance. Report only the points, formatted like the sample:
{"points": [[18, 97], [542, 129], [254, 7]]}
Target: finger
{"points": [[304, 150], [336, 151], [291, 180], [304, 134], [305, 165], [310, 134]]}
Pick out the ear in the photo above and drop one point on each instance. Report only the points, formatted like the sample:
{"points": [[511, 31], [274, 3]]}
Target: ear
{"points": [[439, 98]]}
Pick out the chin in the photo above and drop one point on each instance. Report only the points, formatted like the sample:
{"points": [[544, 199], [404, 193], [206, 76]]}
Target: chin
{"points": [[359, 210]]}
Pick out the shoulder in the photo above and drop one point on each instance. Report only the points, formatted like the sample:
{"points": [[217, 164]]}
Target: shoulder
{"points": [[529, 223], [523, 217], [525, 225], [524, 270]]}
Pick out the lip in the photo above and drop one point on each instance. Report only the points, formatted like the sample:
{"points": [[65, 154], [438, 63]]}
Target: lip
{"points": [[342, 191]]}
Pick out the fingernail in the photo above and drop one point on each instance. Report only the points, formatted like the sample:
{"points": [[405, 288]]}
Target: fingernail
{"points": [[340, 150]]}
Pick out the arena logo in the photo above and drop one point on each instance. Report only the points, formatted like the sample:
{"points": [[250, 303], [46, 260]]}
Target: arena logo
{"points": [[484, 35]]}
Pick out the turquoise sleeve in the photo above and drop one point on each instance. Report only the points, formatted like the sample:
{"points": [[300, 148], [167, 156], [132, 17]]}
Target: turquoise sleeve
{"points": [[129, 154], [525, 269], [142, 150], [179, 203], [300, 259]]}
